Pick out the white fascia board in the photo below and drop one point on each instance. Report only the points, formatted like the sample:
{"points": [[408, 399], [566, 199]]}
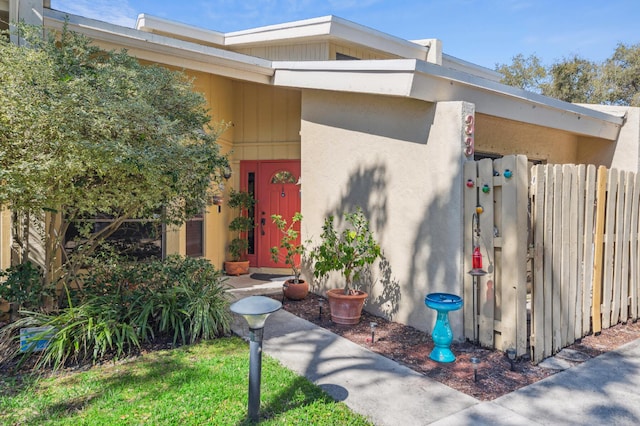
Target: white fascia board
{"points": [[323, 28], [309, 28], [390, 77], [440, 84], [153, 24], [359, 34], [432, 83], [449, 61], [166, 50]]}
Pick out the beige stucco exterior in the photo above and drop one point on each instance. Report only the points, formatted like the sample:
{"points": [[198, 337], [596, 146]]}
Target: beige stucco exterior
{"points": [[385, 133], [401, 161], [503, 137]]}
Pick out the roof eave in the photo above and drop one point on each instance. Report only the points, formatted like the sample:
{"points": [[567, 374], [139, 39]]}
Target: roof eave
{"points": [[327, 27], [433, 83], [165, 50], [154, 24]]}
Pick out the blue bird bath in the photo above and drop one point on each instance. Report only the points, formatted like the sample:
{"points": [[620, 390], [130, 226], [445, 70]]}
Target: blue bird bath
{"points": [[442, 335]]}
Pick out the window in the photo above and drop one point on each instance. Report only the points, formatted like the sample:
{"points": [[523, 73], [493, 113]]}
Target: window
{"points": [[135, 238], [251, 234], [195, 236], [343, 57]]}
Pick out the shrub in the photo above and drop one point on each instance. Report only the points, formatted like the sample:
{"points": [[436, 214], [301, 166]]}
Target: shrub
{"points": [[25, 286], [121, 305]]}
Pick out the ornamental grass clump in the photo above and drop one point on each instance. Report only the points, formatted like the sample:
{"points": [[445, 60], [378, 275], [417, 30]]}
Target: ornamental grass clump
{"points": [[122, 305]]}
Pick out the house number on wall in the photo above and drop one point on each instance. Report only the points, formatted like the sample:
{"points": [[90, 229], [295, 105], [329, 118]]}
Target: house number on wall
{"points": [[468, 138]]}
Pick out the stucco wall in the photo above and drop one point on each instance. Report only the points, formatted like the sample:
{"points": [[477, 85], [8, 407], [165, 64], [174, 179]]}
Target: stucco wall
{"points": [[501, 136], [622, 154], [400, 160]]}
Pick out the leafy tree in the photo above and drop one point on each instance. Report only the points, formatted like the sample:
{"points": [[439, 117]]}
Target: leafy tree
{"points": [[526, 73], [87, 133], [572, 80], [616, 81], [621, 76]]}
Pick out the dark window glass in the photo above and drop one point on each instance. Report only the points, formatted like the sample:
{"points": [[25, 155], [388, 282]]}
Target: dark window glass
{"points": [[136, 239], [251, 235], [195, 236]]}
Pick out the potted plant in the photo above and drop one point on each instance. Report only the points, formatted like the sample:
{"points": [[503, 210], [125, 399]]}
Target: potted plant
{"points": [[293, 288], [347, 252], [242, 202]]}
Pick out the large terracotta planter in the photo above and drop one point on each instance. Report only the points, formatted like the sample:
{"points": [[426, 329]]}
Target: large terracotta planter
{"points": [[236, 268], [346, 308], [295, 291]]}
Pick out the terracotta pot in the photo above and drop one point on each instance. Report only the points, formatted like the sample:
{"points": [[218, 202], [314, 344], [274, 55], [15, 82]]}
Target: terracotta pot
{"points": [[236, 268], [295, 291], [345, 308]]}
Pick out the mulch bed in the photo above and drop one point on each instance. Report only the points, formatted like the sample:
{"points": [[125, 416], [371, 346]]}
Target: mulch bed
{"points": [[411, 347]]}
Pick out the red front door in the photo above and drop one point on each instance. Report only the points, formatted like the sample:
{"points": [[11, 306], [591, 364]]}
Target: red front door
{"points": [[277, 191]]}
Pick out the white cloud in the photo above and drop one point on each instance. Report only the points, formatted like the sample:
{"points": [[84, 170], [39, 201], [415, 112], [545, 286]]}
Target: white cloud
{"points": [[117, 12]]}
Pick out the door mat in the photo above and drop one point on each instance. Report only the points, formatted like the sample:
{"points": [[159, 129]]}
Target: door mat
{"points": [[267, 277]]}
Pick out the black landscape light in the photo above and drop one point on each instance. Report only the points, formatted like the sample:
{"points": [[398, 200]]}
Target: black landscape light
{"points": [[511, 354], [474, 362], [255, 309]]}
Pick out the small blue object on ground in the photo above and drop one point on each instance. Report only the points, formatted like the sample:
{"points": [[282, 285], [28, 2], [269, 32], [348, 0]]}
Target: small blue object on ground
{"points": [[442, 335]]}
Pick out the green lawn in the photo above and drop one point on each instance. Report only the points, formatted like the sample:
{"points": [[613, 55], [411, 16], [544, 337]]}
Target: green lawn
{"points": [[203, 384]]}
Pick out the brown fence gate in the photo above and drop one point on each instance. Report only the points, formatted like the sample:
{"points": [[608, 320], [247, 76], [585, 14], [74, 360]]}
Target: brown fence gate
{"points": [[561, 249], [495, 204]]}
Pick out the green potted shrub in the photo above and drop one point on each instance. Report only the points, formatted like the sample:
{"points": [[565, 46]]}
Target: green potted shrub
{"points": [[242, 202], [294, 288], [348, 252]]}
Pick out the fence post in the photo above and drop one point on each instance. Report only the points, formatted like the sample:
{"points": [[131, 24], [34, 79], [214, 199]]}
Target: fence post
{"points": [[598, 243]]}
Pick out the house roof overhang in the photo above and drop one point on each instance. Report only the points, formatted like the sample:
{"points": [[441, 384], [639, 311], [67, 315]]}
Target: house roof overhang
{"points": [[324, 28], [411, 78], [415, 79], [165, 50]]}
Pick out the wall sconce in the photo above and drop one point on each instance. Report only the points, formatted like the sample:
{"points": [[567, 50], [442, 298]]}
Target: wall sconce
{"points": [[226, 173], [217, 200]]}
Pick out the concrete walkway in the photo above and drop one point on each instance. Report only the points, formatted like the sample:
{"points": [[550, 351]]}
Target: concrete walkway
{"points": [[602, 390]]}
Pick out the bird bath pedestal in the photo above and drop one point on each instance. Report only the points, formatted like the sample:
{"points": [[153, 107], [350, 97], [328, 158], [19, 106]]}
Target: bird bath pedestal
{"points": [[442, 335]]}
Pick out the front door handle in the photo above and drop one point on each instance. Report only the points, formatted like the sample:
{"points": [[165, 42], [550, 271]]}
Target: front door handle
{"points": [[263, 222]]}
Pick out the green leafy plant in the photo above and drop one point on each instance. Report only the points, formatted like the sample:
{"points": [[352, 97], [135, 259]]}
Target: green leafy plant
{"points": [[23, 284], [347, 252], [289, 243], [123, 152], [122, 304], [242, 202]]}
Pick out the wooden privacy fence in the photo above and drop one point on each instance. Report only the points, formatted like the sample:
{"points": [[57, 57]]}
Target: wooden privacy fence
{"points": [[565, 250], [495, 215], [586, 253]]}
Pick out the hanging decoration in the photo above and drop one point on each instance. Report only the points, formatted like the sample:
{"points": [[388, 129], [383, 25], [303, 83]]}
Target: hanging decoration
{"points": [[282, 177]]}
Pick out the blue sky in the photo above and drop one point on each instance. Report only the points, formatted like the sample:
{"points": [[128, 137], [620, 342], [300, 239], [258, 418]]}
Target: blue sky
{"points": [[485, 32]]}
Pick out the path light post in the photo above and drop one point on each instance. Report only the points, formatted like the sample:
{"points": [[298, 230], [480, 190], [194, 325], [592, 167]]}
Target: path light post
{"points": [[255, 309]]}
